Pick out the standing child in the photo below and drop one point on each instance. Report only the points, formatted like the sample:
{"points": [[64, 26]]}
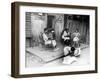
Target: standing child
{"points": [[76, 38]]}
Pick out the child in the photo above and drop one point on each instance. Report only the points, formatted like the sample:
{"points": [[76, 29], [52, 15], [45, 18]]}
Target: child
{"points": [[76, 39]]}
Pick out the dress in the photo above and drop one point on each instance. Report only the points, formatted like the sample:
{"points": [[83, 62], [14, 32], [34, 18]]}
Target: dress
{"points": [[76, 39], [66, 38], [76, 36], [48, 40]]}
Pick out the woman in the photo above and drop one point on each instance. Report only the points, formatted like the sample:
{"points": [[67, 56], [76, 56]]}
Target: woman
{"points": [[49, 38], [66, 37], [70, 54]]}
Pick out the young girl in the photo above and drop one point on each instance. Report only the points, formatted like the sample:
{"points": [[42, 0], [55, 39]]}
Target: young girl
{"points": [[76, 36]]}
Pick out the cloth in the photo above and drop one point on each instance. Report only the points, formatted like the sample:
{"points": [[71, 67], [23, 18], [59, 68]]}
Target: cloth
{"points": [[66, 35], [69, 60], [67, 50], [52, 42], [75, 39], [48, 41], [66, 40], [77, 52], [76, 36]]}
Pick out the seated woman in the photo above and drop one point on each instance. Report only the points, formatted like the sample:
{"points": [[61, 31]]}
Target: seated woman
{"points": [[70, 54], [66, 37], [49, 38], [71, 51], [76, 36]]}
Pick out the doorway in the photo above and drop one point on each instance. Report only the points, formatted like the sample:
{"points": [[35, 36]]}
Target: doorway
{"points": [[50, 19]]}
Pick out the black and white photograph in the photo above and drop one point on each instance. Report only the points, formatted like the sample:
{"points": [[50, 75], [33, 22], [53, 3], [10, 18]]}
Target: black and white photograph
{"points": [[53, 39], [56, 39]]}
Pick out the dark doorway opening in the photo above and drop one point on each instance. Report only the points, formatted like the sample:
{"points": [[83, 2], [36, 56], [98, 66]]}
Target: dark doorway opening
{"points": [[50, 21]]}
